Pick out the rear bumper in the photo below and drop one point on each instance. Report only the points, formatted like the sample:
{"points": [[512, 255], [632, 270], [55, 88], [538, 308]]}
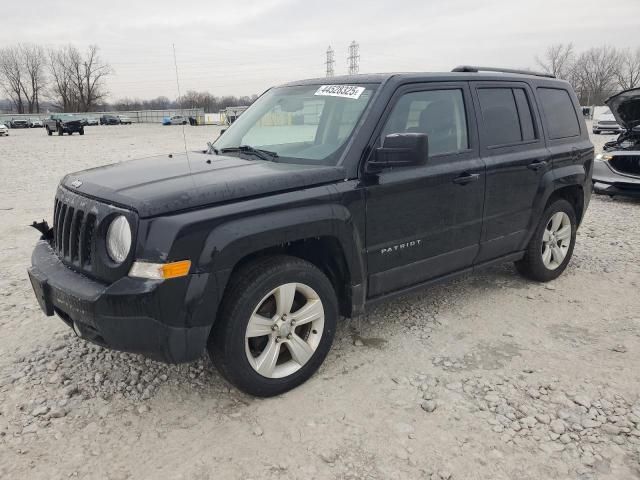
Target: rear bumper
{"points": [[609, 182], [130, 315]]}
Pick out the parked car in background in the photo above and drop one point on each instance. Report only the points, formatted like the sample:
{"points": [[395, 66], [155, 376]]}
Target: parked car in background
{"points": [[124, 120], [35, 123], [18, 123], [605, 122], [109, 120], [403, 180], [175, 120], [4, 130], [64, 123], [617, 170], [91, 121]]}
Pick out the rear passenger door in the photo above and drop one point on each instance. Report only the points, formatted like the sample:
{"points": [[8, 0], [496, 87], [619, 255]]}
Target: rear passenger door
{"points": [[516, 159]]}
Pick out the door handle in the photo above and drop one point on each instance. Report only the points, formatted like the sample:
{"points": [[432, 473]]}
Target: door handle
{"points": [[537, 165], [466, 178]]}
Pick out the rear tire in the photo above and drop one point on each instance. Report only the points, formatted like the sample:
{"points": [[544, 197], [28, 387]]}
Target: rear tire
{"points": [[551, 246], [82, 132], [49, 132], [275, 326]]}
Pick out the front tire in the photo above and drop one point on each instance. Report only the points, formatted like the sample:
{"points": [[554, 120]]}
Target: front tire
{"points": [[275, 326], [82, 132], [551, 247]]}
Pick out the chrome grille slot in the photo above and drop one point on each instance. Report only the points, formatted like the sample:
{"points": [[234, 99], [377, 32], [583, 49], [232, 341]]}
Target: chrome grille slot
{"points": [[76, 228], [86, 238], [66, 231]]}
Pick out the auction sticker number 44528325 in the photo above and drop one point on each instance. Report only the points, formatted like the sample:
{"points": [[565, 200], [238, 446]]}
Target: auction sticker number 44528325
{"points": [[345, 91]]}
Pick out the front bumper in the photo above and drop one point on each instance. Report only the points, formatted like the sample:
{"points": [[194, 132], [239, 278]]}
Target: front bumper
{"points": [[607, 128], [74, 127], [609, 182], [149, 317]]}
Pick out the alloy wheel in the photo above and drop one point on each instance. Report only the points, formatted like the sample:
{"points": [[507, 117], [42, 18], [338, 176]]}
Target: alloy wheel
{"points": [[556, 240], [284, 330]]}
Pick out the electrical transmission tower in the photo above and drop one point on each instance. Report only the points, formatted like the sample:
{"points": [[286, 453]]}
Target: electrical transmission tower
{"points": [[353, 60], [330, 62]]}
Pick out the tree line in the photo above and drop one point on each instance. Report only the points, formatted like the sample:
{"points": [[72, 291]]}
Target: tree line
{"points": [[192, 99], [596, 73], [67, 79], [64, 78]]}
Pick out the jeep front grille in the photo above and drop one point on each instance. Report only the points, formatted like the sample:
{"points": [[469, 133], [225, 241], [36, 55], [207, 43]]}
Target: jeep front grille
{"points": [[73, 233], [626, 164]]}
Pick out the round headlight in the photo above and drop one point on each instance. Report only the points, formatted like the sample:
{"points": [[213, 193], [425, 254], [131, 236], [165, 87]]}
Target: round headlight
{"points": [[119, 239]]}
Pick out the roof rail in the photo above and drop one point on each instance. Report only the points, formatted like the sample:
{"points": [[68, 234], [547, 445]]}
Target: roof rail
{"points": [[471, 68]]}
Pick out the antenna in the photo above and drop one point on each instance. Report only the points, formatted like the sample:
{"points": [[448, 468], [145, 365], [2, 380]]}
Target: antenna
{"points": [[184, 135], [330, 62]]}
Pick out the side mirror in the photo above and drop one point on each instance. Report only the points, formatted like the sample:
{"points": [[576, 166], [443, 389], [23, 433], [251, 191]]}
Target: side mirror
{"points": [[222, 131], [400, 150]]}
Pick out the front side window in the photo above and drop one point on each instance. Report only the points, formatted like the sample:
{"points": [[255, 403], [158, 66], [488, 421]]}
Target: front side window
{"points": [[308, 124], [438, 113]]}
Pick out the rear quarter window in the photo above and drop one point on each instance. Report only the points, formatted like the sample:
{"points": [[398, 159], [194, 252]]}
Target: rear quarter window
{"points": [[559, 112]]}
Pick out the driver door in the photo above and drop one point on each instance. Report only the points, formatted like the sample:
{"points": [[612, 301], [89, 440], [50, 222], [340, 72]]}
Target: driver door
{"points": [[424, 222]]}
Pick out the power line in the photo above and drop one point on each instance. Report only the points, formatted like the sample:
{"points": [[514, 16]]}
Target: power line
{"points": [[330, 62], [353, 60]]}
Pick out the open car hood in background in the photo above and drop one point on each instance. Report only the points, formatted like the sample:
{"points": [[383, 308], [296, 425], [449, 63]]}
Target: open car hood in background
{"points": [[625, 106]]}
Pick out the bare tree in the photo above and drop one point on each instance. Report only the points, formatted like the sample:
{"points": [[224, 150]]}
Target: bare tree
{"points": [[61, 91], [34, 60], [78, 79], [558, 60], [12, 76], [594, 74], [628, 73]]}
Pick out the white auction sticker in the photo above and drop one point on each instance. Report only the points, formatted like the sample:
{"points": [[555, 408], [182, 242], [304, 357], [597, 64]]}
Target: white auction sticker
{"points": [[346, 91]]}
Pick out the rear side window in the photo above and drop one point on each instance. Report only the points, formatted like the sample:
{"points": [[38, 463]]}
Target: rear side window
{"points": [[524, 112], [506, 116], [500, 116], [558, 109]]}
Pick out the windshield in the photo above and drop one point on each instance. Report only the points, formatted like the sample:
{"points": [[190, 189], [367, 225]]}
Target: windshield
{"points": [[303, 124]]}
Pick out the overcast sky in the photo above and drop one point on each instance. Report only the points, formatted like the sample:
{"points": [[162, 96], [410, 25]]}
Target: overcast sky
{"points": [[242, 47]]}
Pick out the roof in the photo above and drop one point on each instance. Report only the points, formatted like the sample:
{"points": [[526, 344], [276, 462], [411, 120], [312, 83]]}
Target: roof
{"points": [[419, 76]]}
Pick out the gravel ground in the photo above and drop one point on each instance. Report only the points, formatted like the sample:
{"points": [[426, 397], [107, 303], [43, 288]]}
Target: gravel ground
{"points": [[490, 376]]}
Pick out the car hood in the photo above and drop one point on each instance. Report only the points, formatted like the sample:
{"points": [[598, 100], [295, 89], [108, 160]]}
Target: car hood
{"points": [[625, 107], [163, 184]]}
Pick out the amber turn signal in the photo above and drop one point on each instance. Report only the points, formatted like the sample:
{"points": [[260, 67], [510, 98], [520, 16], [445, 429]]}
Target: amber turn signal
{"points": [[160, 271]]}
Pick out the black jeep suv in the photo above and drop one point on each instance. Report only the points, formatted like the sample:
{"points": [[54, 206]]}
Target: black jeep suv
{"points": [[325, 197]]}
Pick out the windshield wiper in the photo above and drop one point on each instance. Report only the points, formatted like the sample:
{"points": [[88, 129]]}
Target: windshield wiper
{"points": [[211, 149], [258, 152]]}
